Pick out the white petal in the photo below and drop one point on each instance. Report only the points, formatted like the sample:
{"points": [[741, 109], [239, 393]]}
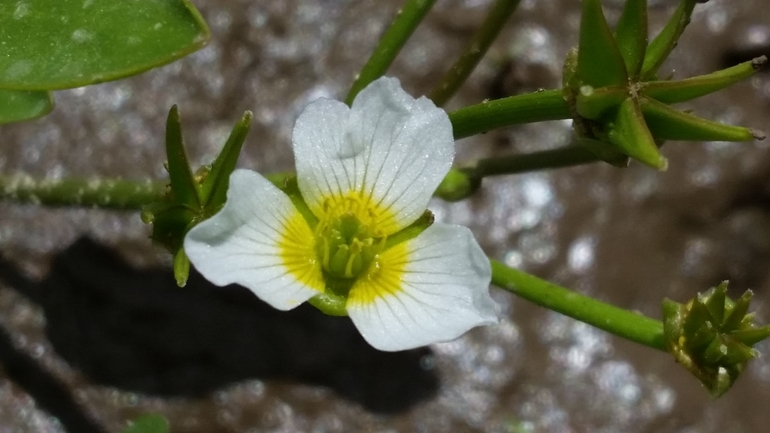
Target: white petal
{"points": [[390, 148], [432, 288], [260, 241]]}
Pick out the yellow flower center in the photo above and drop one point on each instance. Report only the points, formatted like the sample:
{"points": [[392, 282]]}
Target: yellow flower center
{"points": [[347, 237]]}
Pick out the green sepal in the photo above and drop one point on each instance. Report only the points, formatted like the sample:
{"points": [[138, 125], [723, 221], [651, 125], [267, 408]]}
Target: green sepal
{"points": [[20, 105], [170, 222], [181, 267], [183, 185], [592, 103], [213, 189], [629, 132], [153, 423], [330, 303], [607, 152], [291, 188], [631, 35], [458, 184], [411, 231], [667, 123], [599, 63], [672, 92], [662, 45]]}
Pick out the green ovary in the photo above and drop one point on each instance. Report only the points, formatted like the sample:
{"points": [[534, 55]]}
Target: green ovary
{"points": [[345, 245]]}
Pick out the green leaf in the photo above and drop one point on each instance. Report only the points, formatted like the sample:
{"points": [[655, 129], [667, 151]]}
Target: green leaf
{"points": [[412, 230], [666, 123], [170, 222], [594, 103], [291, 188], [664, 43], [599, 61], [58, 44], [213, 190], [631, 35], [672, 92], [153, 423], [629, 132], [183, 185], [18, 105]]}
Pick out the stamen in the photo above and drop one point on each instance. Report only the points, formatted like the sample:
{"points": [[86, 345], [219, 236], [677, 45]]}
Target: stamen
{"points": [[348, 244]]}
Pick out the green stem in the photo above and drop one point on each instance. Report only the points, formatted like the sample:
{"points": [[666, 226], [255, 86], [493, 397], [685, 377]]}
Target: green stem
{"points": [[390, 44], [463, 182], [133, 195], [623, 323], [103, 193], [513, 110], [498, 15], [545, 159]]}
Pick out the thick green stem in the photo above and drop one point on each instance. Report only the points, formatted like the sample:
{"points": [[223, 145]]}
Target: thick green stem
{"points": [[133, 195], [623, 323], [103, 193], [486, 34], [390, 44], [513, 110]]}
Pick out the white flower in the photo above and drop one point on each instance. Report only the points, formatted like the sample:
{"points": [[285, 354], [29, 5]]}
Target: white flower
{"points": [[364, 174]]}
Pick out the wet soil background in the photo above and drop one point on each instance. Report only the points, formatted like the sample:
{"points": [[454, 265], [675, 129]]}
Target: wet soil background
{"points": [[94, 331]]}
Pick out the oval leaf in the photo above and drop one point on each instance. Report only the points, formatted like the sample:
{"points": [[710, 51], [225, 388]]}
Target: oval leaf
{"points": [[18, 105], [58, 44]]}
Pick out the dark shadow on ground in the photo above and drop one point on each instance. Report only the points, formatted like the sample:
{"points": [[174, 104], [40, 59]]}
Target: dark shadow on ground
{"points": [[135, 330]]}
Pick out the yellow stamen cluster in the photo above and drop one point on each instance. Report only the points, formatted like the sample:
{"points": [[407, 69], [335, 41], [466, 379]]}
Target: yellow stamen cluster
{"points": [[347, 240]]}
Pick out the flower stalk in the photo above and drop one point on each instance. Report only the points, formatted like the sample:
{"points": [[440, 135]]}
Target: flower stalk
{"points": [[390, 44], [498, 15], [615, 320]]}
